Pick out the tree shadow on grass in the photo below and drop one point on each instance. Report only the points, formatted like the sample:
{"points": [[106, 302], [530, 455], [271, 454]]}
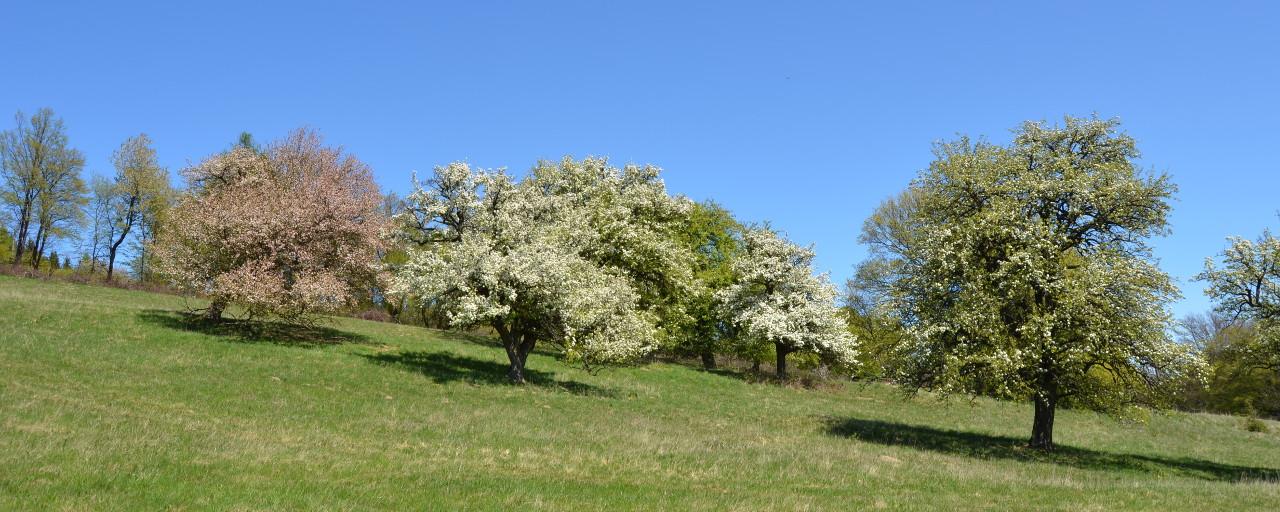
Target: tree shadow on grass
{"points": [[445, 367], [491, 340], [984, 446], [252, 331]]}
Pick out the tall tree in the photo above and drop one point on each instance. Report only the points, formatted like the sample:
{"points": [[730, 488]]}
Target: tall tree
{"points": [[1024, 272], [776, 299], [102, 194], [151, 220], [141, 184], [30, 154], [59, 204]]}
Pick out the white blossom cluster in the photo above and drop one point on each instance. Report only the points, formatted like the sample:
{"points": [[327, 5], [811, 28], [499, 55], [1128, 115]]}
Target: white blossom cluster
{"points": [[776, 298], [557, 256], [1023, 271], [1246, 287]]}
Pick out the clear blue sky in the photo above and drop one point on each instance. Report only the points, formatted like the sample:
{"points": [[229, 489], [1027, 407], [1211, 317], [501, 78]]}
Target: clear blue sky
{"points": [[804, 115]]}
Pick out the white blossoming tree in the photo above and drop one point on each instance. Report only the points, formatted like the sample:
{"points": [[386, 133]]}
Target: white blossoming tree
{"points": [[1023, 272], [1246, 287], [578, 254], [776, 299]]}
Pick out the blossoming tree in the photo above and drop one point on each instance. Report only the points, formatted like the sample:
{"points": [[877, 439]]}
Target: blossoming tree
{"points": [[1246, 287], [1023, 272], [577, 253], [291, 231], [775, 298]]}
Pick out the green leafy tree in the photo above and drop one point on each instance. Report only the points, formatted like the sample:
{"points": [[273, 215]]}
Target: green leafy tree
{"points": [[870, 317], [39, 182], [140, 192], [1238, 382], [1024, 272], [715, 239], [6, 244]]}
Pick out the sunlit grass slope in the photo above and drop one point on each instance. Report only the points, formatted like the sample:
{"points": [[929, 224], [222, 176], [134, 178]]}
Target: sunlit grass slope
{"points": [[109, 400]]}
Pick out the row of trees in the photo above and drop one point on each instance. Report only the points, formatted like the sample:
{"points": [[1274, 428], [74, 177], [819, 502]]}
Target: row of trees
{"points": [[47, 200], [1018, 271]]}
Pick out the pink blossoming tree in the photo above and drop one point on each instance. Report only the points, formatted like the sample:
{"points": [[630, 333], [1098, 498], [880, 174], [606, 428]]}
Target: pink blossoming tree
{"points": [[291, 231]]}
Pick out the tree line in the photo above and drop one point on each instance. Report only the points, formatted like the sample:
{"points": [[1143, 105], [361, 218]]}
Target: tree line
{"points": [[1019, 271], [48, 200]]}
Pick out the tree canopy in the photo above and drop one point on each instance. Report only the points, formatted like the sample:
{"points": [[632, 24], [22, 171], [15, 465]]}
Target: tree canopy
{"points": [[1024, 271], [292, 231], [578, 253], [1245, 287], [776, 299]]}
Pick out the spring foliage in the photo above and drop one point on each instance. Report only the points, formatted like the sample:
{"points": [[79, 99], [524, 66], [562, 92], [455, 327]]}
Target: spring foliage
{"points": [[578, 253], [1246, 286], [1023, 271], [290, 232], [776, 299]]}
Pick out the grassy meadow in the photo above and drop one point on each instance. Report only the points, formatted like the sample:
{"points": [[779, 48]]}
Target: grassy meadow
{"points": [[112, 400]]}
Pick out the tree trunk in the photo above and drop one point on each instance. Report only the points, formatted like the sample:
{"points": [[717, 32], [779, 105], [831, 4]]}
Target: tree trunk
{"points": [[216, 307], [38, 252], [24, 225], [1042, 426], [755, 366], [130, 216], [708, 360], [111, 261], [782, 352], [518, 346]]}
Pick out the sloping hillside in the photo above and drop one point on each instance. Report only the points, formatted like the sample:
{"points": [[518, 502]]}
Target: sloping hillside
{"points": [[109, 399]]}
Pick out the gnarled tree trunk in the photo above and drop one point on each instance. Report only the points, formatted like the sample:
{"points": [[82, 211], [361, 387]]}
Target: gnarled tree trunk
{"points": [[518, 345]]}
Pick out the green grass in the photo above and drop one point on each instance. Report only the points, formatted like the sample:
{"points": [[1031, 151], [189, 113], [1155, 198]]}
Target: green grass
{"points": [[109, 400]]}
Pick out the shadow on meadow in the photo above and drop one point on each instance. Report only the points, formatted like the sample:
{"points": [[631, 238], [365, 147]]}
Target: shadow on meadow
{"points": [[252, 331], [445, 367], [984, 446]]}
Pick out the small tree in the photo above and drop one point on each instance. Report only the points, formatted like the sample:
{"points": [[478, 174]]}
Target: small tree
{"points": [[776, 299], [1246, 287], [547, 258], [291, 232], [1023, 272]]}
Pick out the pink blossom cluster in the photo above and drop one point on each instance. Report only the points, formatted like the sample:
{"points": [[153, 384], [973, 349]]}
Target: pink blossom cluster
{"points": [[291, 231]]}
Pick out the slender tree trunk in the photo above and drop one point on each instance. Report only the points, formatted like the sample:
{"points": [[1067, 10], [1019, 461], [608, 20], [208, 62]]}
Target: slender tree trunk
{"points": [[24, 225], [1042, 426], [755, 365], [130, 217], [216, 307], [708, 360], [782, 352], [38, 251]]}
